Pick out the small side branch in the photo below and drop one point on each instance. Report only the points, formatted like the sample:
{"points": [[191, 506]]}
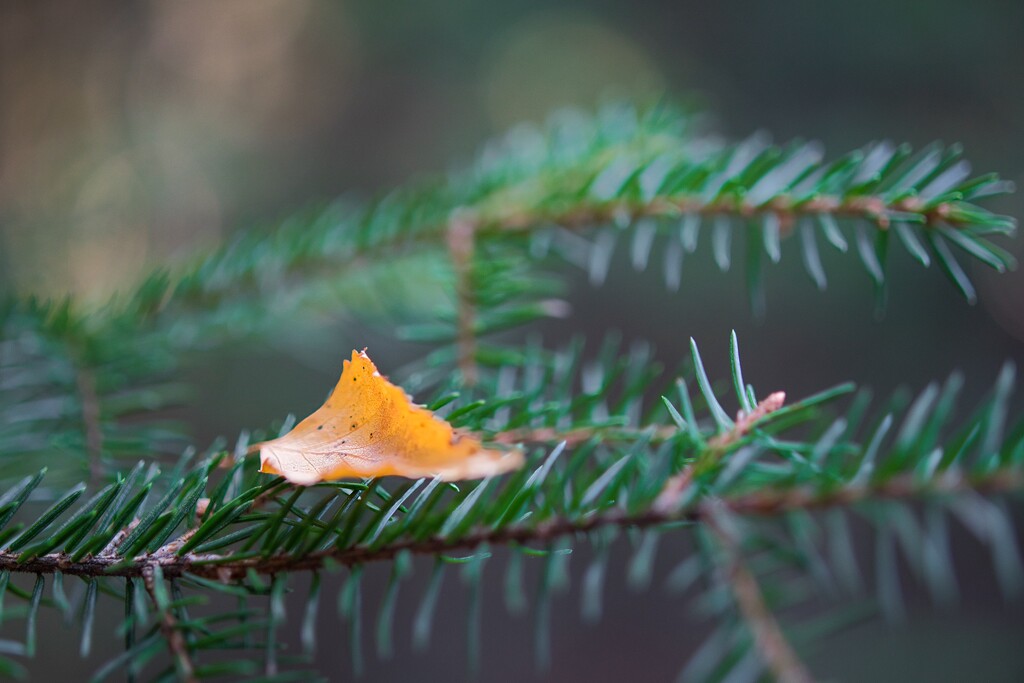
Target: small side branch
{"points": [[764, 503], [169, 628], [461, 238], [778, 654]]}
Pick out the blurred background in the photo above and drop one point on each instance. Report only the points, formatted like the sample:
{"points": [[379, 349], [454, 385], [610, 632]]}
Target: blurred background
{"points": [[135, 133]]}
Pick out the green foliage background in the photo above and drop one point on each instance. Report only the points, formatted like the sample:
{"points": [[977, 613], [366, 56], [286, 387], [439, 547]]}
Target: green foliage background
{"points": [[424, 90]]}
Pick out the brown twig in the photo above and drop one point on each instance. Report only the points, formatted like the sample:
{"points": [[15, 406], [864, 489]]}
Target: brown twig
{"points": [[764, 503], [171, 547], [169, 628], [674, 492], [111, 547], [746, 421], [788, 211], [779, 656]]}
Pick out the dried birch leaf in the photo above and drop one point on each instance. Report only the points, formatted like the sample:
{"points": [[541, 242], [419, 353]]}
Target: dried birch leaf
{"points": [[371, 428]]}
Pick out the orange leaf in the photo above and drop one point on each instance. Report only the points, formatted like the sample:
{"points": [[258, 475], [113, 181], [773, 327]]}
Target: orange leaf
{"points": [[371, 428]]}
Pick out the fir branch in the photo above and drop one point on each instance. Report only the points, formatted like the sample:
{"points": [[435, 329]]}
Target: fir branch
{"points": [[634, 168], [787, 211], [764, 503], [485, 239]]}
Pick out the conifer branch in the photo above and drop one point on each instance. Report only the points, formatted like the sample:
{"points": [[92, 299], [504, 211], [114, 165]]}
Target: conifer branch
{"points": [[764, 503], [875, 210], [501, 226], [656, 170]]}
